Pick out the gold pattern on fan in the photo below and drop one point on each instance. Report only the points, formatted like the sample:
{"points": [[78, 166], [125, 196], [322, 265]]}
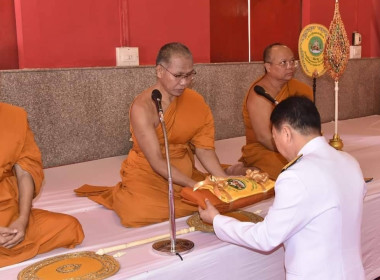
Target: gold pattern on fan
{"points": [[336, 58], [337, 48]]}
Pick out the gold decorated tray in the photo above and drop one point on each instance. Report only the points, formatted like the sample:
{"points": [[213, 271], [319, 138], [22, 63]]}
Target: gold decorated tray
{"points": [[243, 216], [74, 266]]}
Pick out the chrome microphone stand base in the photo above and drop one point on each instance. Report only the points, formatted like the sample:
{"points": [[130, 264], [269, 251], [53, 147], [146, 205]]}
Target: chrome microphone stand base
{"points": [[164, 247]]}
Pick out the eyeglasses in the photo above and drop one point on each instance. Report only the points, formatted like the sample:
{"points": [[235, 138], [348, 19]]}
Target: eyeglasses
{"points": [[286, 64], [190, 75]]}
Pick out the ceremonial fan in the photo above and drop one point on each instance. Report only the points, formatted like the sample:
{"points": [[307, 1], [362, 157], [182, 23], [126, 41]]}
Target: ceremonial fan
{"points": [[336, 56], [311, 44]]}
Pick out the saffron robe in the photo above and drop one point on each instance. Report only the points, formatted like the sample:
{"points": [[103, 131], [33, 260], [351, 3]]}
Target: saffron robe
{"points": [[141, 198], [253, 152], [46, 230]]}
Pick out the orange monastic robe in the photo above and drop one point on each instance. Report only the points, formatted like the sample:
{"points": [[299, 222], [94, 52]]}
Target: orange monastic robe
{"points": [[46, 230], [141, 198], [254, 153]]}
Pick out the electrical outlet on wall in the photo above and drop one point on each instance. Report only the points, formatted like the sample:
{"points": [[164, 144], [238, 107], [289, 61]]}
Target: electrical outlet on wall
{"points": [[355, 51], [126, 56]]}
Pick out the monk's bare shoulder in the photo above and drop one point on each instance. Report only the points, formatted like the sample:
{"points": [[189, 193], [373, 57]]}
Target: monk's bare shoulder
{"points": [[257, 102], [143, 109]]}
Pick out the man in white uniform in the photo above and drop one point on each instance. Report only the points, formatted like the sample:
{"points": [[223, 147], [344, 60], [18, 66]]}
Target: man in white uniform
{"points": [[317, 209]]}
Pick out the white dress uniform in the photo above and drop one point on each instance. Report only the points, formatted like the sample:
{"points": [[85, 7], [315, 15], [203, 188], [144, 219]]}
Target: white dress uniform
{"points": [[316, 214]]}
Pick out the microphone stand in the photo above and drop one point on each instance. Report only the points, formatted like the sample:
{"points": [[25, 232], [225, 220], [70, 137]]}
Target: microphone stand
{"points": [[173, 246]]}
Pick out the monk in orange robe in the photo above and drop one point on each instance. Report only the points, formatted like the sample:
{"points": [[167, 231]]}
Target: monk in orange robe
{"points": [[26, 232], [141, 198], [260, 150]]}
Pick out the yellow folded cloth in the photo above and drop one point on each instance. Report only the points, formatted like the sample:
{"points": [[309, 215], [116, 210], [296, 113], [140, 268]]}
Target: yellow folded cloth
{"points": [[229, 189]]}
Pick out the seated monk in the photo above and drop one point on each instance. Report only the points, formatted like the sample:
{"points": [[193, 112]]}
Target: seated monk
{"points": [[26, 232], [141, 198], [260, 150]]}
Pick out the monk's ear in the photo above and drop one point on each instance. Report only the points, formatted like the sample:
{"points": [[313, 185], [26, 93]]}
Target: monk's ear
{"points": [[267, 66], [159, 71]]}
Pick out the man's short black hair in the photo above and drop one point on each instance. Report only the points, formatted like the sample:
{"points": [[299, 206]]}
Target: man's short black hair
{"points": [[170, 49], [299, 112]]}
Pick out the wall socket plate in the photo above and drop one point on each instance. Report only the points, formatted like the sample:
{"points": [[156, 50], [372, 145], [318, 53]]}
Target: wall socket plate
{"points": [[126, 56], [355, 51]]}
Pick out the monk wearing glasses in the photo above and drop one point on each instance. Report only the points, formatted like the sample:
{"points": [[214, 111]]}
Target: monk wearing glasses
{"points": [[141, 198], [277, 82]]}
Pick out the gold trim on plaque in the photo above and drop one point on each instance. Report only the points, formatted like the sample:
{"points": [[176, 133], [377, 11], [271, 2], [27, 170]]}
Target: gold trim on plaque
{"points": [[243, 216], [74, 266]]}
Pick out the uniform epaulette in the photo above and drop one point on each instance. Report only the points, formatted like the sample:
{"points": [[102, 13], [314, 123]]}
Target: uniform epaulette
{"points": [[291, 163]]}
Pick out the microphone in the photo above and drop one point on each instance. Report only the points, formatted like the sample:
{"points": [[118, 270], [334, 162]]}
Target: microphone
{"points": [[157, 96], [261, 91], [173, 246]]}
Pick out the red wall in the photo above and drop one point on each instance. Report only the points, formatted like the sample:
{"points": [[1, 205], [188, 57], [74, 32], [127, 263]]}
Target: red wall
{"points": [[154, 23], [8, 40], [85, 33], [228, 30], [269, 24], [375, 29], [357, 15], [274, 21], [69, 33]]}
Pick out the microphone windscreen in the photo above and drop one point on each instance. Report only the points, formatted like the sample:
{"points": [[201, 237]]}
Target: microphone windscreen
{"points": [[156, 95], [260, 90]]}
